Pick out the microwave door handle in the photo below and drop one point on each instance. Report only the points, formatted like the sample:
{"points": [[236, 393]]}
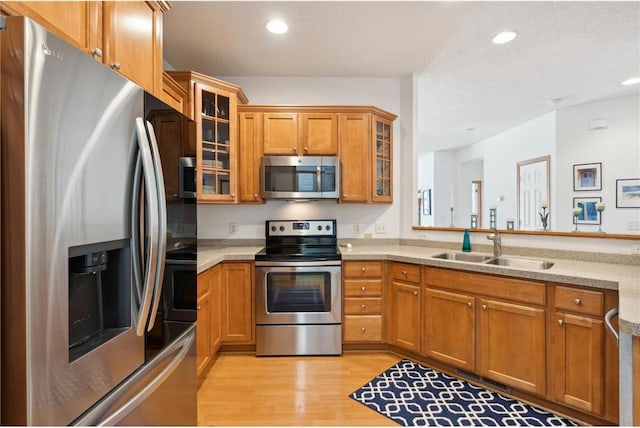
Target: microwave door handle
{"points": [[141, 313], [161, 229], [318, 179]]}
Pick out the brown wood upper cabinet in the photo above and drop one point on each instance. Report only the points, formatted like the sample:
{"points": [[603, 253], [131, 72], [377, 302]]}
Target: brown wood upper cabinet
{"points": [[212, 104], [126, 36], [300, 134]]}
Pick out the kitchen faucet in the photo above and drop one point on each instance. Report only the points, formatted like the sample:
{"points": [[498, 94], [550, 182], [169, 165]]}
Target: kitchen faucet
{"points": [[497, 242]]}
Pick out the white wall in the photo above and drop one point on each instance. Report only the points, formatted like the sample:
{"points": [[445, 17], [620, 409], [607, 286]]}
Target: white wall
{"points": [[616, 147], [385, 93]]}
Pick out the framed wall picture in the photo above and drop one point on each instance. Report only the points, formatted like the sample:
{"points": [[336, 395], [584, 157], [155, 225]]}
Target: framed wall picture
{"points": [[589, 214], [628, 193], [587, 176], [426, 202]]}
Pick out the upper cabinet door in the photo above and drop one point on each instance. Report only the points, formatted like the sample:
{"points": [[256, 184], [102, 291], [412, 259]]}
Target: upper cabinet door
{"points": [[355, 142], [318, 134], [281, 134], [133, 41], [78, 22]]}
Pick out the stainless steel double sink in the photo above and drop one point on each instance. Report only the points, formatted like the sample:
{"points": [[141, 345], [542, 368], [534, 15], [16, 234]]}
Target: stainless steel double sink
{"points": [[513, 262]]}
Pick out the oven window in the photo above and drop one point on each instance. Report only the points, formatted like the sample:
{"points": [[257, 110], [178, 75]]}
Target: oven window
{"points": [[298, 292]]}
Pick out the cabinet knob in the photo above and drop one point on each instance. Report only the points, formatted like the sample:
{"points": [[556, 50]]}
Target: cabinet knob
{"points": [[233, 195], [363, 269], [363, 306], [404, 272], [255, 196], [344, 195], [415, 293], [560, 322], [363, 288], [199, 307], [484, 307], [96, 52], [469, 304], [306, 149], [364, 330], [115, 65], [577, 302], [295, 149]]}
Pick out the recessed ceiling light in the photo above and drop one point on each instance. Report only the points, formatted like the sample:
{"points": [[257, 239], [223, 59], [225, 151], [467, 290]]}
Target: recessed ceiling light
{"points": [[277, 26], [504, 37], [631, 81]]}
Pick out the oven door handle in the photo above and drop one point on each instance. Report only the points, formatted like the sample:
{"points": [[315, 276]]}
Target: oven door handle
{"points": [[298, 263]]}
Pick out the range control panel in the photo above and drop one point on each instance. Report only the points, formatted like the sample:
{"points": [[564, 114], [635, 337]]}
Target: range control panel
{"points": [[300, 228]]}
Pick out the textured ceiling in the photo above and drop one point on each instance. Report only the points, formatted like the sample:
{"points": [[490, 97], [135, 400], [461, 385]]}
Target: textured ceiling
{"points": [[576, 51]]}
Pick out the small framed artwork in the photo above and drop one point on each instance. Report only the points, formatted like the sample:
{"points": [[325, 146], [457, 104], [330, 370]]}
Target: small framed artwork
{"points": [[426, 202], [589, 214], [628, 193], [587, 176]]}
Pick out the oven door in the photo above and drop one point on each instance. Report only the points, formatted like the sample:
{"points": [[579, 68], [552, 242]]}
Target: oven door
{"points": [[298, 293], [179, 290]]}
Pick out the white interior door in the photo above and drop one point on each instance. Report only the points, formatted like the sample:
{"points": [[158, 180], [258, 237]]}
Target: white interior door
{"points": [[533, 188]]}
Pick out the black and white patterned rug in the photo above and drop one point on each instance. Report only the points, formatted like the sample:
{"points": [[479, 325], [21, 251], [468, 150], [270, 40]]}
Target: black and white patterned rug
{"points": [[414, 395]]}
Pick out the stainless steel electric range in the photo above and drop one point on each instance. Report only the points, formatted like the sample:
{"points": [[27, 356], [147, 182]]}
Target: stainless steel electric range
{"points": [[299, 289]]}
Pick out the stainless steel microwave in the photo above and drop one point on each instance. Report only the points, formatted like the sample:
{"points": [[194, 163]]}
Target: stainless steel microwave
{"points": [[187, 177], [300, 177]]}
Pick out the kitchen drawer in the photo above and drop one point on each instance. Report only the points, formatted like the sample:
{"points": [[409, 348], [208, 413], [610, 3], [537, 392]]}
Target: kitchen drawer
{"points": [[405, 272], [363, 306], [362, 288], [363, 328], [362, 269], [203, 282], [577, 300]]}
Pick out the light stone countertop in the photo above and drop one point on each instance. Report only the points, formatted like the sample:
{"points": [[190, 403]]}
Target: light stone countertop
{"points": [[624, 278]]}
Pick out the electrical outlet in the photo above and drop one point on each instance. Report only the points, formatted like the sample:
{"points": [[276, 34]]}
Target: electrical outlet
{"points": [[381, 228], [633, 225], [233, 228], [635, 248], [357, 228], [367, 236]]}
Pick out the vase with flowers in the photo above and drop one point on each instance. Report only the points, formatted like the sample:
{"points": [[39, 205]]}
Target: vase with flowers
{"points": [[544, 215]]}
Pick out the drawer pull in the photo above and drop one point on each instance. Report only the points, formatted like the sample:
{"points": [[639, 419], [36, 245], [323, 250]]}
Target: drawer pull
{"points": [[577, 302], [363, 269], [364, 330], [415, 293], [363, 306], [96, 52], [199, 307], [484, 307], [363, 288], [115, 65], [404, 272], [469, 304], [560, 322]]}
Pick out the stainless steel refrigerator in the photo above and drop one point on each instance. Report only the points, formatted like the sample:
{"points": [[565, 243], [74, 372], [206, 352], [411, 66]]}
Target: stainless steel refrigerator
{"points": [[86, 230]]}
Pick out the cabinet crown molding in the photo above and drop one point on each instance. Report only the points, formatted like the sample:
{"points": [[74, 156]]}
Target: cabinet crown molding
{"points": [[297, 108]]}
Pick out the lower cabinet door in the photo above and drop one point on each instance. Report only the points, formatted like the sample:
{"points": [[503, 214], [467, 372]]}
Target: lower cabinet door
{"points": [[404, 326], [448, 332], [203, 334], [512, 345], [578, 350]]}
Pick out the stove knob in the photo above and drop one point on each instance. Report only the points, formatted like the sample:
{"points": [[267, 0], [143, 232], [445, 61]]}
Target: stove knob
{"points": [[273, 228], [328, 227], [319, 227], [281, 228]]}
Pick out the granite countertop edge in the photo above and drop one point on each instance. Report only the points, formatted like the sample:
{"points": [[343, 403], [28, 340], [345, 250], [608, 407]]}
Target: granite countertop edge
{"points": [[621, 277]]}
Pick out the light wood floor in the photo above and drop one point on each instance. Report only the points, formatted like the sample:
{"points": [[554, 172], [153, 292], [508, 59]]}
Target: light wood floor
{"points": [[247, 390]]}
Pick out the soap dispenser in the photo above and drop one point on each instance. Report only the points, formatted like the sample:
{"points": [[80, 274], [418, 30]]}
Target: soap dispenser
{"points": [[466, 242]]}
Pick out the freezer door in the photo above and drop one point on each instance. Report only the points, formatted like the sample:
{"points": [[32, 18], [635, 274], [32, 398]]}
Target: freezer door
{"points": [[162, 392]]}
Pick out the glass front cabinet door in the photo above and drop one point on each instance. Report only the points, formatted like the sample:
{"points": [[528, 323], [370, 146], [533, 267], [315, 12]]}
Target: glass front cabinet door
{"points": [[383, 160]]}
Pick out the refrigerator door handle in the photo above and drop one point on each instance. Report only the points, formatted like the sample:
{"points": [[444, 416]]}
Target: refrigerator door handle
{"points": [[181, 349], [162, 222], [607, 320], [142, 306]]}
